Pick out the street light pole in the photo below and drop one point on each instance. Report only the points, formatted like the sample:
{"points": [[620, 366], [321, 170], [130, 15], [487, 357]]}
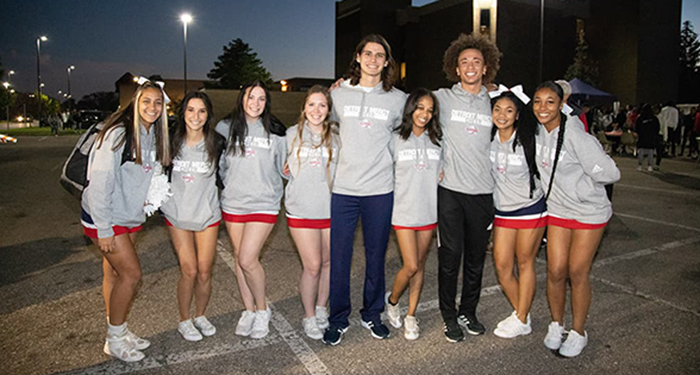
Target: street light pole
{"points": [[185, 18], [541, 41], [68, 70], [10, 91], [38, 71]]}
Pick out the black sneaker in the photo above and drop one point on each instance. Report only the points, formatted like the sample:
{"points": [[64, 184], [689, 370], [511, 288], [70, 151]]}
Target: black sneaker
{"points": [[452, 332], [378, 329], [334, 335], [472, 324]]}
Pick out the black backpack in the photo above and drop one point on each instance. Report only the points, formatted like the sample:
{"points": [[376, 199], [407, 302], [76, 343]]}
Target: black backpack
{"points": [[74, 174]]}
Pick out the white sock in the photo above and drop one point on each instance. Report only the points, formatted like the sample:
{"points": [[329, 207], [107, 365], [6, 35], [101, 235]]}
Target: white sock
{"points": [[116, 331]]}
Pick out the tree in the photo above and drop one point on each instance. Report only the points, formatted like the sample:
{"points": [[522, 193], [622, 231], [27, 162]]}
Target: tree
{"points": [[584, 66], [688, 90], [238, 66], [101, 100]]}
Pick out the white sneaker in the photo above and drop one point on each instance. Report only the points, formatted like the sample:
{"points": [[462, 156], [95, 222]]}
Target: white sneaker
{"points": [[322, 317], [245, 323], [311, 328], [188, 332], [138, 342], [123, 349], [650, 168], [411, 331], [639, 167], [261, 326], [508, 319], [513, 327], [574, 344], [204, 325], [393, 312], [554, 336]]}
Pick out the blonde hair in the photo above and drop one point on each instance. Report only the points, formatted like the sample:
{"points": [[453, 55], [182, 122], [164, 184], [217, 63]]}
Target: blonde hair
{"points": [[130, 120], [329, 128]]}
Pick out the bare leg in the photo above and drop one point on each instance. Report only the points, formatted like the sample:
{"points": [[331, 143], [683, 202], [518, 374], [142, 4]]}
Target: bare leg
{"points": [[308, 242], [183, 241], [254, 236], [325, 280], [583, 248], [124, 260], [206, 253], [423, 239], [528, 242], [109, 275], [504, 243], [558, 245], [235, 232], [408, 244]]}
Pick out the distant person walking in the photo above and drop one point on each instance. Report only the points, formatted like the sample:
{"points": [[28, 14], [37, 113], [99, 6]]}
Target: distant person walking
{"points": [[648, 136]]}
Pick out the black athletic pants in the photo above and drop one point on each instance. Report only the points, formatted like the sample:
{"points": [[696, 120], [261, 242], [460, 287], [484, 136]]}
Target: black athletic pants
{"points": [[464, 223]]}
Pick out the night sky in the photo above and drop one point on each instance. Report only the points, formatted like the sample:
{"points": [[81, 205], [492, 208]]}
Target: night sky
{"points": [[105, 39]]}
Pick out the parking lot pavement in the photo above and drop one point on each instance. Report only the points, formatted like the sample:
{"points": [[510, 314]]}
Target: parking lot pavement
{"points": [[644, 319]]}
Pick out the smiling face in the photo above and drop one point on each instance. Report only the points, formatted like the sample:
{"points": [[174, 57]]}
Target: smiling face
{"points": [[423, 112], [150, 105], [372, 59], [471, 67], [547, 106], [195, 115], [316, 109], [504, 114], [254, 103]]}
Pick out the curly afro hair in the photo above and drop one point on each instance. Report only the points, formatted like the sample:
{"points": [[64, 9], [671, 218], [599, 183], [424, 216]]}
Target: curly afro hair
{"points": [[492, 56]]}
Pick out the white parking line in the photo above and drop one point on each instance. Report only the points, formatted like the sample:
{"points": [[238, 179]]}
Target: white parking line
{"points": [[635, 292], [645, 252], [115, 367], [656, 221], [300, 348], [692, 193]]}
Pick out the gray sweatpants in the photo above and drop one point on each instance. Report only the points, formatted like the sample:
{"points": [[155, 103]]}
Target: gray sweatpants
{"points": [[647, 153]]}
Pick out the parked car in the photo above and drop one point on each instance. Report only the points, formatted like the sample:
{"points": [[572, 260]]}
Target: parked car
{"points": [[85, 118]]}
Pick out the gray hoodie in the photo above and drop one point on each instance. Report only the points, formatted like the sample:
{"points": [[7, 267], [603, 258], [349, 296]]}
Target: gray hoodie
{"points": [[116, 192], [466, 124], [195, 202], [308, 192], [252, 182], [417, 166], [583, 168], [512, 176], [367, 119]]}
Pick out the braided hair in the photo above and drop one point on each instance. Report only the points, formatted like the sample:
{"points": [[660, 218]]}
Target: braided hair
{"points": [[525, 130], [562, 129]]}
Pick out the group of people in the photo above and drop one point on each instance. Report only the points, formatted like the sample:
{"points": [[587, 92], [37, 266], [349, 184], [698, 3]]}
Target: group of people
{"points": [[461, 159]]}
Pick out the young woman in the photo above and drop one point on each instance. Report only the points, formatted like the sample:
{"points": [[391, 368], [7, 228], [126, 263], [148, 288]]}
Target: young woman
{"points": [[647, 128], [192, 213], [574, 169], [520, 209], [417, 166], [313, 152], [112, 205], [251, 170], [368, 109]]}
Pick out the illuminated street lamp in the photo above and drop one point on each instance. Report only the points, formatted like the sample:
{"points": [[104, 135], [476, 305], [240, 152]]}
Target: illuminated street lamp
{"points": [[186, 18], [68, 70], [38, 70]]}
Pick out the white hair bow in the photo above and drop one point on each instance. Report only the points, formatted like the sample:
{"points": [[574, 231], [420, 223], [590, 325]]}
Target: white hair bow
{"points": [[516, 90], [141, 80]]}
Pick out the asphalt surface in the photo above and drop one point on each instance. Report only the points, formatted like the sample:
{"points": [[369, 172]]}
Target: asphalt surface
{"points": [[645, 316]]}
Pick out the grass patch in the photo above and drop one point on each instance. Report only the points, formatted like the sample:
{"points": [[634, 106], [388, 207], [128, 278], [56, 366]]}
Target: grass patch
{"points": [[36, 132]]}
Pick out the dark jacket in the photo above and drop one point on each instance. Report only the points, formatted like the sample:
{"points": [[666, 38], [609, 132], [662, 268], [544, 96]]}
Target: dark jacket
{"points": [[648, 131]]}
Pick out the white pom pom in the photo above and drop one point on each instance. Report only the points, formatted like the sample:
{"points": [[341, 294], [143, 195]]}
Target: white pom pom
{"points": [[158, 192]]}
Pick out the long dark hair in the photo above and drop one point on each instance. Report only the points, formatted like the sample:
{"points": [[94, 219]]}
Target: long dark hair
{"points": [[562, 128], [525, 127], [239, 124], [433, 127], [129, 119], [213, 141], [389, 71]]}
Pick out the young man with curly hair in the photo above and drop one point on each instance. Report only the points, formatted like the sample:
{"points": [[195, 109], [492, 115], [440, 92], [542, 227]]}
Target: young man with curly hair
{"points": [[465, 203]]}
